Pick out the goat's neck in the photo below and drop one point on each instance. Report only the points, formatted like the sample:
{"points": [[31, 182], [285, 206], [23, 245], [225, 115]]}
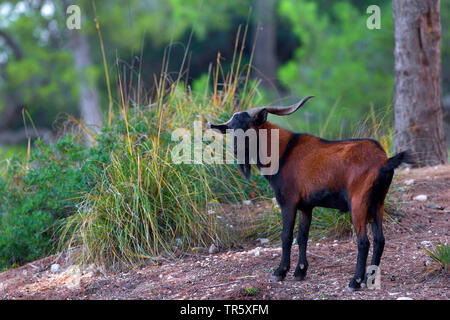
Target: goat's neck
{"points": [[283, 136]]}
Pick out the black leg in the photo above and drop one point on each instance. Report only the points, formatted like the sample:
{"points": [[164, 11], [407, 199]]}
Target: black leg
{"points": [[302, 240], [363, 250], [378, 245], [378, 241], [288, 212]]}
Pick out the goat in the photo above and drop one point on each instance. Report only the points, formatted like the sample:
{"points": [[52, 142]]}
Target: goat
{"points": [[349, 175]]}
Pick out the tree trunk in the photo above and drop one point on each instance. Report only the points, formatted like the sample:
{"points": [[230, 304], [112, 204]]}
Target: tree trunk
{"points": [[265, 60], [417, 103], [89, 103], [12, 98]]}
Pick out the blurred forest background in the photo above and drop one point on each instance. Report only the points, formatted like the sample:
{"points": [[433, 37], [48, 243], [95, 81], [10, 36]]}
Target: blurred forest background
{"points": [[301, 47], [140, 69]]}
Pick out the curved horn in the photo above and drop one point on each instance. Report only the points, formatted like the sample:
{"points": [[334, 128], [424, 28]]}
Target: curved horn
{"points": [[222, 127], [285, 110]]}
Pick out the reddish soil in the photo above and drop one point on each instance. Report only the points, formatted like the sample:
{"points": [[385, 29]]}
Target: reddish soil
{"points": [[406, 269]]}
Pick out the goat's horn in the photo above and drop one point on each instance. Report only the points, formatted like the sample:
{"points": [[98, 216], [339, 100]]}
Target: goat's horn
{"points": [[213, 125], [281, 110]]}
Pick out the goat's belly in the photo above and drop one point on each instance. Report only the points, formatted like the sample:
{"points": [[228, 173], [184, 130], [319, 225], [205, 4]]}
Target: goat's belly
{"points": [[328, 199]]}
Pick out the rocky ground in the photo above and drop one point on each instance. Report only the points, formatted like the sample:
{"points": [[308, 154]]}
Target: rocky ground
{"points": [[407, 272]]}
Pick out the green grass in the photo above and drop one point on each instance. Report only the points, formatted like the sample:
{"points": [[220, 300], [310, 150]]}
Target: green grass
{"points": [[144, 205], [251, 291], [440, 254]]}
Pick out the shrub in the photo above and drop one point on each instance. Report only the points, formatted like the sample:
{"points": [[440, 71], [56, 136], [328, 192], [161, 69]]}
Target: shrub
{"points": [[36, 193]]}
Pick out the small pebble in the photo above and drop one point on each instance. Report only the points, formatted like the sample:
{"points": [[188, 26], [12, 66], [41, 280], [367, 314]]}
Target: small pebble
{"points": [[55, 268], [263, 240], [420, 197], [213, 249]]}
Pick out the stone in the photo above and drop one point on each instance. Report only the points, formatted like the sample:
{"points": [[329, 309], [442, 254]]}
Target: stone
{"points": [[420, 197], [213, 249], [55, 268]]}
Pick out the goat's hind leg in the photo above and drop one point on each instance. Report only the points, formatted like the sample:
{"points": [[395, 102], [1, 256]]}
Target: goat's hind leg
{"points": [[359, 222], [378, 242], [302, 240]]}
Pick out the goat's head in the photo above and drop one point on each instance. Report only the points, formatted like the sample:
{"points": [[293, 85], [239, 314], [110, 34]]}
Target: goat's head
{"points": [[252, 119], [255, 117]]}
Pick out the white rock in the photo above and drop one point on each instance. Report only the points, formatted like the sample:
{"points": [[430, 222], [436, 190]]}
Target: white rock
{"points": [[409, 182], [426, 243], [247, 202], [256, 251], [404, 298], [213, 249], [263, 240], [55, 268], [420, 197]]}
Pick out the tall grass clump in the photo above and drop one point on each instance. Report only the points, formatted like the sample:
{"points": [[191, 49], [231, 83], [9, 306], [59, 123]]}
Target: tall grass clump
{"points": [[144, 205]]}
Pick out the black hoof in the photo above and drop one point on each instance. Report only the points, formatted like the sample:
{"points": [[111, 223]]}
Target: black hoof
{"points": [[354, 285], [277, 278], [299, 278], [351, 289]]}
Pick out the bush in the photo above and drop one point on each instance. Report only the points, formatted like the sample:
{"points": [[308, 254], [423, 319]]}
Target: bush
{"points": [[36, 193]]}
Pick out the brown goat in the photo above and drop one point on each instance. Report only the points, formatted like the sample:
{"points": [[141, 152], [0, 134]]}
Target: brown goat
{"points": [[350, 175]]}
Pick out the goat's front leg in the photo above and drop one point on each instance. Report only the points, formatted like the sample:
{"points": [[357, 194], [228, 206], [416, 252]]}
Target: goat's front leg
{"points": [[288, 212], [302, 240]]}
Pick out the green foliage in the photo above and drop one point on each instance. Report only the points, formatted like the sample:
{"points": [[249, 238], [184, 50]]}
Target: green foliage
{"points": [[440, 255], [340, 61], [251, 291], [35, 194], [144, 204]]}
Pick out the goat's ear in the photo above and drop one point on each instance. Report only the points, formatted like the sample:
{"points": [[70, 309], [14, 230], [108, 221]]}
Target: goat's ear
{"points": [[260, 117], [246, 170]]}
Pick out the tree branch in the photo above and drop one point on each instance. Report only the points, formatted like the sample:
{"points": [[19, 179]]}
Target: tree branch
{"points": [[17, 50]]}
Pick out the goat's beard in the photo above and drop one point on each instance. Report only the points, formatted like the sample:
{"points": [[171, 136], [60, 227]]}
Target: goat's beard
{"points": [[245, 170], [243, 167]]}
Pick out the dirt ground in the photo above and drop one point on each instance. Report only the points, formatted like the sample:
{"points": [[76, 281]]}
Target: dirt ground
{"points": [[406, 270]]}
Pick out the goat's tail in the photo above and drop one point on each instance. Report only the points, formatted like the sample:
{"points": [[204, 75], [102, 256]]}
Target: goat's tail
{"points": [[384, 179], [398, 159]]}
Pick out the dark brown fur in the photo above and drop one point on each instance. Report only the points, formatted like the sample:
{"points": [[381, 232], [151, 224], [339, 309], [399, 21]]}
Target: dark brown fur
{"points": [[350, 175], [341, 174]]}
